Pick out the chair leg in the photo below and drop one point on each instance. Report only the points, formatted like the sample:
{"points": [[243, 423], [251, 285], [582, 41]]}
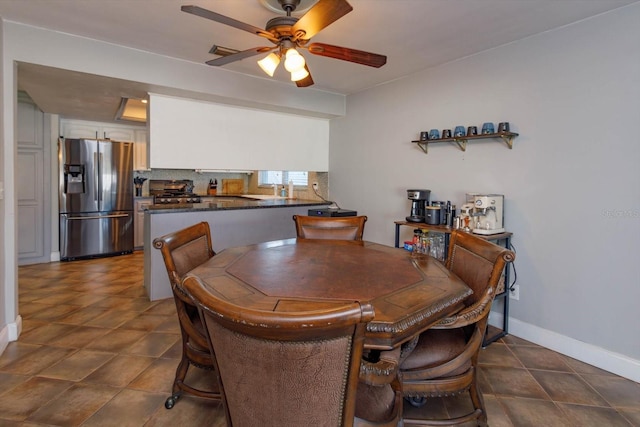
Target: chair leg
{"points": [[171, 400], [478, 403], [181, 373]]}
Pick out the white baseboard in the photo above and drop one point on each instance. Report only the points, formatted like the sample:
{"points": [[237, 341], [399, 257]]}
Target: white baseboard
{"points": [[599, 357], [55, 256], [9, 333], [15, 329]]}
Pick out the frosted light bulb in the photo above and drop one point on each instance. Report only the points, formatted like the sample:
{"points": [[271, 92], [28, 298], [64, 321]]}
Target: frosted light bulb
{"points": [[293, 61]]}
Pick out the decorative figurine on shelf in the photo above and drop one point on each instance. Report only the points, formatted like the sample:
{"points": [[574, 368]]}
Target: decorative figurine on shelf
{"points": [[138, 181]]}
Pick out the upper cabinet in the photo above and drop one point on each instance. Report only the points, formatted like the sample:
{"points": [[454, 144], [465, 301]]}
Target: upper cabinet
{"points": [[193, 134], [98, 130], [140, 151], [117, 133]]}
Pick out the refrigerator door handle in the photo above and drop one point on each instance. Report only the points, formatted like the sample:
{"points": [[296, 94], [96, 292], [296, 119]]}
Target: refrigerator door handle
{"points": [[98, 217], [101, 184], [96, 177]]}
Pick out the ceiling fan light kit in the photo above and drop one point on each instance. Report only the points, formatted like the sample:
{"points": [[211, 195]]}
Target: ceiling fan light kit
{"points": [[289, 34], [269, 63], [293, 61], [297, 75]]}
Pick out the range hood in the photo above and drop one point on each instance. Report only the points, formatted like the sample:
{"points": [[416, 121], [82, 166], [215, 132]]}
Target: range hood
{"points": [[132, 110]]}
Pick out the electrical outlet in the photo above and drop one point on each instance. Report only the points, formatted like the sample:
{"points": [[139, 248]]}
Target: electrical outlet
{"points": [[315, 185], [515, 292]]}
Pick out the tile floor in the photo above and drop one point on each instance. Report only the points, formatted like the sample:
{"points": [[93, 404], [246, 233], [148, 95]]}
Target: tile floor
{"points": [[95, 352]]}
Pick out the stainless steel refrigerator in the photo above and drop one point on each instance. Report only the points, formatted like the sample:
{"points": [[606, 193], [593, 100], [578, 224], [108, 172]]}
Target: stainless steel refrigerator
{"points": [[96, 198]]}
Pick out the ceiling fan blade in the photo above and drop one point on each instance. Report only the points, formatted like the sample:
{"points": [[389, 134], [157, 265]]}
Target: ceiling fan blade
{"points": [[321, 15], [238, 56], [204, 13], [222, 51], [307, 81], [346, 54]]}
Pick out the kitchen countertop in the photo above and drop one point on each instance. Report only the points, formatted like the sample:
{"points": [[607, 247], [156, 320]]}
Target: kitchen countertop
{"points": [[231, 203], [234, 221]]}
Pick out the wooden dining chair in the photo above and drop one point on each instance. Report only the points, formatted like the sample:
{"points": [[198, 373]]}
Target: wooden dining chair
{"points": [[333, 228], [182, 251], [442, 361], [284, 368]]}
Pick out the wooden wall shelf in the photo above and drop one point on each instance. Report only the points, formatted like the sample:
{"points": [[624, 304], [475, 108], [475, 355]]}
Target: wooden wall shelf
{"points": [[461, 141]]}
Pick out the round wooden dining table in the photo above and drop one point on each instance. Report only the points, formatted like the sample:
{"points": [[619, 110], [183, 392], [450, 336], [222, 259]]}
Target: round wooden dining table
{"points": [[408, 294]]}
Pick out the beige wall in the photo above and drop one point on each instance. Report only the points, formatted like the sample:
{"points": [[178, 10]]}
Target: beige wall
{"points": [[571, 181]]}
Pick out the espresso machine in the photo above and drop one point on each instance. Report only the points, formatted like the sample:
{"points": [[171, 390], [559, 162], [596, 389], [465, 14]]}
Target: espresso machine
{"points": [[488, 214], [419, 199]]}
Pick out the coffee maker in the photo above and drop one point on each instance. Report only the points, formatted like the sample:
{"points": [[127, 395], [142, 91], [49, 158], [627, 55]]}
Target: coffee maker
{"points": [[488, 213], [419, 199]]}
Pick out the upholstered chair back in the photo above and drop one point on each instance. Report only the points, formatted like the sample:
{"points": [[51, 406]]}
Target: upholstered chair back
{"points": [[334, 228], [284, 368], [185, 249], [479, 263]]}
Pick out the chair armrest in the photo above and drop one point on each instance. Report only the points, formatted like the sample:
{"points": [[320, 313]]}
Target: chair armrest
{"points": [[384, 371], [468, 315]]}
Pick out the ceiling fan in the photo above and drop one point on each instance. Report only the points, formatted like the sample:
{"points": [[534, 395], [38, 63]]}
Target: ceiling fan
{"points": [[288, 33]]}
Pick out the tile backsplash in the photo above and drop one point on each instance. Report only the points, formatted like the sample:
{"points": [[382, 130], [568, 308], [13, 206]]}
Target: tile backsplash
{"points": [[201, 182]]}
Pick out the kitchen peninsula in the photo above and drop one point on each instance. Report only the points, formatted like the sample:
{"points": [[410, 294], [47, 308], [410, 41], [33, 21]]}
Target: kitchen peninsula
{"points": [[234, 221]]}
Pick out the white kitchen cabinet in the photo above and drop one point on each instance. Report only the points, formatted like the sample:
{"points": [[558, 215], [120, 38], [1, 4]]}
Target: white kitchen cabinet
{"points": [[140, 151], [117, 133], [139, 205], [190, 134], [78, 129], [86, 129]]}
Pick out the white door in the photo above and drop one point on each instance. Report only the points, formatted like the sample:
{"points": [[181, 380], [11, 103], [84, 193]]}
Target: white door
{"points": [[34, 201]]}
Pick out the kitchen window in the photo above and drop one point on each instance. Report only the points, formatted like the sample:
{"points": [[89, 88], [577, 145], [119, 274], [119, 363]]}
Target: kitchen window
{"points": [[268, 178]]}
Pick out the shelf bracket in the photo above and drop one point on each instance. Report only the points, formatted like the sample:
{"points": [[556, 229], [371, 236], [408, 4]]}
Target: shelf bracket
{"points": [[461, 143], [508, 139], [423, 145]]}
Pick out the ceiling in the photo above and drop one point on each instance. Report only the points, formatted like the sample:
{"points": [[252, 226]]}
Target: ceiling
{"points": [[414, 35]]}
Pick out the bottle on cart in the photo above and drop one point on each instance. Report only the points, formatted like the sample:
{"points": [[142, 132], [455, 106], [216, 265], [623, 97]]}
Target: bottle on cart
{"points": [[425, 243], [417, 242]]}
